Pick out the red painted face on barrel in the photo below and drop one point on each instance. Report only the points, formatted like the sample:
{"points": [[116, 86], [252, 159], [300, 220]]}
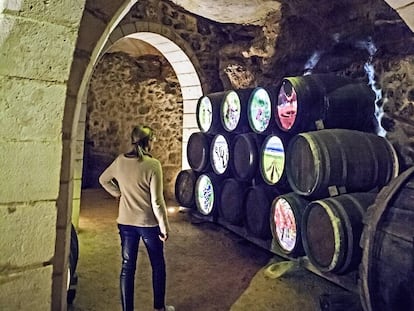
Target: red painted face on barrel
{"points": [[287, 106]]}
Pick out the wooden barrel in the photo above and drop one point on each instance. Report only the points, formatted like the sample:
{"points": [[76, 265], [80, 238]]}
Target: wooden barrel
{"points": [[198, 152], [302, 100], [184, 188], [231, 201], [387, 268], [286, 223], [233, 111], [328, 162], [220, 154], [258, 203], [260, 111], [245, 156], [350, 107], [331, 230], [272, 161], [207, 194], [208, 113]]}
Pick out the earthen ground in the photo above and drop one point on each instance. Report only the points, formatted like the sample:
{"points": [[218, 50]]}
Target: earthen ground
{"points": [[208, 268]]}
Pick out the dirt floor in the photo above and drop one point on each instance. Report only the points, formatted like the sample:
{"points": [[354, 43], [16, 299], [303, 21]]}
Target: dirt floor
{"points": [[208, 268]]}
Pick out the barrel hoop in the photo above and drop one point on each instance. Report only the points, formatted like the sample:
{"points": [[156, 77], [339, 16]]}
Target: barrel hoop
{"points": [[349, 252], [370, 147], [337, 230], [396, 166], [343, 157]]}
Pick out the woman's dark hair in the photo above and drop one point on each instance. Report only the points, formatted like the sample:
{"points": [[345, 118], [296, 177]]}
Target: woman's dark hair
{"points": [[140, 137]]}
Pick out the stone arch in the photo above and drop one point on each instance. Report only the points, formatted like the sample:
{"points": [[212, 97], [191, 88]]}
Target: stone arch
{"points": [[182, 59], [192, 82]]}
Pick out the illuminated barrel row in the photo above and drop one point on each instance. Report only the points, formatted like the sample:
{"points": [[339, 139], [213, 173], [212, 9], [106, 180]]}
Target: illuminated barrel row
{"points": [[316, 164], [327, 231], [238, 203], [245, 157], [236, 111], [298, 104]]}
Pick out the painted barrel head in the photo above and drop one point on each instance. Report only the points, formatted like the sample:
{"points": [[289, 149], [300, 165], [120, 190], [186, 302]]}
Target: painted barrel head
{"points": [[204, 114], [260, 110], [204, 195], [272, 161], [219, 154], [230, 111], [287, 106], [285, 225]]}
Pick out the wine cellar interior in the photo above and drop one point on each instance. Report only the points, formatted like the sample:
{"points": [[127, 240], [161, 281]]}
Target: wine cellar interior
{"points": [[287, 123]]}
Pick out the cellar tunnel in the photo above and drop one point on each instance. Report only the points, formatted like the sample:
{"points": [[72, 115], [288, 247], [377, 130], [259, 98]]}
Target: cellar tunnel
{"points": [[54, 69]]}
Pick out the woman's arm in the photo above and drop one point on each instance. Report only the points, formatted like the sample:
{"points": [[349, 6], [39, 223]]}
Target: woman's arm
{"points": [[107, 181], [157, 199]]}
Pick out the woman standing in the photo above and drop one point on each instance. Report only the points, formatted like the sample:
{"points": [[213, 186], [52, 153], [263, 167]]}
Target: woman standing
{"points": [[136, 179]]}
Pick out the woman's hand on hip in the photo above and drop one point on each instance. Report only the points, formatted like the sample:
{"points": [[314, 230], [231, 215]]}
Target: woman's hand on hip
{"points": [[163, 237]]}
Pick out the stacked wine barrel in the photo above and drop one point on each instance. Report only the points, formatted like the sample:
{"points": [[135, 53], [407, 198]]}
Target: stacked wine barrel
{"points": [[237, 161], [335, 166], [304, 153]]}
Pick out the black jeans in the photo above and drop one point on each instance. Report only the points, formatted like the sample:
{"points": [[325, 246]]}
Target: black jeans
{"points": [[130, 237]]}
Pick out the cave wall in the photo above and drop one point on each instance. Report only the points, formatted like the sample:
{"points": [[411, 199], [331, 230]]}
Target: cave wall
{"points": [[126, 91]]}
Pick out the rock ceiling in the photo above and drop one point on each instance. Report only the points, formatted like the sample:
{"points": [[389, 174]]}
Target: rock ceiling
{"points": [[231, 11]]}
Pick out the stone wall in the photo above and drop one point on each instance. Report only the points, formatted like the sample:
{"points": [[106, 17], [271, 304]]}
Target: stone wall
{"points": [[126, 91]]}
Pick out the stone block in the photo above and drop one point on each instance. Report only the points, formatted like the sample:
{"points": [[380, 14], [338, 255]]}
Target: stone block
{"points": [[29, 52], [77, 185], [116, 34], [142, 26], [77, 73], [189, 120], [80, 131], [27, 233], [128, 29], [26, 290], [90, 32], [77, 170], [48, 11], [191, 92], [30, 171], [63, 203], [190, 105], [26, 107], [78, 149], [76, 212], [189, 79]]}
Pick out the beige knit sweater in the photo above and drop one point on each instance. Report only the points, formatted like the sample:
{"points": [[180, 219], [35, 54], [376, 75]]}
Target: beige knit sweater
{"points": [[140, 190]]}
